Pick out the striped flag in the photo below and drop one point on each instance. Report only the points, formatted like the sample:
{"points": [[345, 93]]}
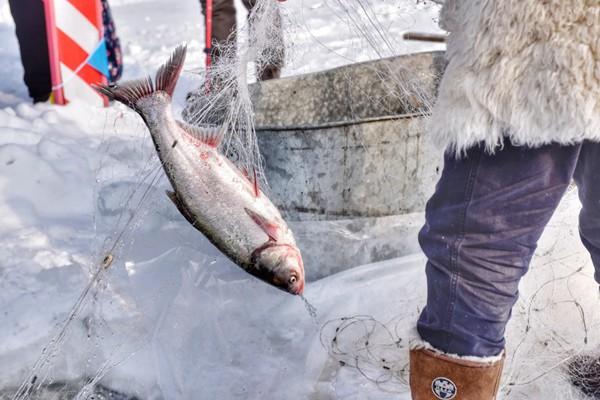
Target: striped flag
{"points": [[77, 50]]}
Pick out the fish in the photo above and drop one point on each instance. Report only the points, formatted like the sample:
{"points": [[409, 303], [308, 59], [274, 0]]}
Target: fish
{"points": [[216, 197]]}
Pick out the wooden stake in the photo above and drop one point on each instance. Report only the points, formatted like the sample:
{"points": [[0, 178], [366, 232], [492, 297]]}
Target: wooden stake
{"points": [[425, 37]]}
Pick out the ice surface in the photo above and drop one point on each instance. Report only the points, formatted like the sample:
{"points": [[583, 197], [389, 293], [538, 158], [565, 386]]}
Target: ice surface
{"points": [[174, 319], [338, 245]]}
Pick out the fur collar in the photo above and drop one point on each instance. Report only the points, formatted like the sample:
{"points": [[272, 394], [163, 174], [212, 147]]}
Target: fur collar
{"points": [[526, 69]]}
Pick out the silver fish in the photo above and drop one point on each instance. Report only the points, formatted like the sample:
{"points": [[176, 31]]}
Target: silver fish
{"points": [[216, 197]]}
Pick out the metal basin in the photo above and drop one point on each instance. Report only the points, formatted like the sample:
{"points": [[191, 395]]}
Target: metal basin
{"points": [[349, 142]]}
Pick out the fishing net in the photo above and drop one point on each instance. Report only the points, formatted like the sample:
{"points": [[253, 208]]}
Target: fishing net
{"points": [[224, 98], [162, 314], [371, 31]]}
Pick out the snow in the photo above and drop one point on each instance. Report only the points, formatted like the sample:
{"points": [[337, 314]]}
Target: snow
{"points": [[172, 318]]}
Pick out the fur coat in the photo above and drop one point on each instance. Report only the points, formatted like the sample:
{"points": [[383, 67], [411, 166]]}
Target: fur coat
{"points": [[526, 69]]}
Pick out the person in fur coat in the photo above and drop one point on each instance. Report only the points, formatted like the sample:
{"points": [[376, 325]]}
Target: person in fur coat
{"points": [[518, 111]]}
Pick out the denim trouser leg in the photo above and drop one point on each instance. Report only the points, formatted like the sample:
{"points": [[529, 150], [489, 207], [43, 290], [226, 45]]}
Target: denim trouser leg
{"points": [[587, 176], [482, 226]]}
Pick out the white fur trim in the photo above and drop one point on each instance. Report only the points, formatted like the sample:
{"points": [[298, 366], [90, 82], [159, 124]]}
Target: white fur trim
{"points": [[416, 343], [526, 68]]}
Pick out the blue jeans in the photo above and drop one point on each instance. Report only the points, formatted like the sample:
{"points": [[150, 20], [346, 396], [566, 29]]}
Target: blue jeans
{"points": [[482, 226]]}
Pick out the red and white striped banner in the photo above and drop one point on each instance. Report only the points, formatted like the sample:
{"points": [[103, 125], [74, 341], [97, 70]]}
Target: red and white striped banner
{"points": [[77, 50]]}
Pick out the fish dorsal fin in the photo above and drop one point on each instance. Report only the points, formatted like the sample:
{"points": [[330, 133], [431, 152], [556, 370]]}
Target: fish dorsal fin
{"points": [[270, 228], [210, 135]]}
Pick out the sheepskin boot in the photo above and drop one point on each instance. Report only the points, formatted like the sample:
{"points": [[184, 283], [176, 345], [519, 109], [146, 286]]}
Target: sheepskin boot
{"points": [[436, 376]]}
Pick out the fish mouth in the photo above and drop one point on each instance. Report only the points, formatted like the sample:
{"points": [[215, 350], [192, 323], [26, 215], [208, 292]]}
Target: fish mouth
{"points": [[298, 290], [295, 289]]}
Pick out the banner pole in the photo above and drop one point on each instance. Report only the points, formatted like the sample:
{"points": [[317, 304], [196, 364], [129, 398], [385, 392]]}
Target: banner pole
{"points": [[100, 25], [208, 38], [53, 55]]}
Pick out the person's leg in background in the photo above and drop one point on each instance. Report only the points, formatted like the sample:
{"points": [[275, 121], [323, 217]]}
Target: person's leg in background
{"points": [[30, 26], [223, 26], [482, 226], [273, 57]]}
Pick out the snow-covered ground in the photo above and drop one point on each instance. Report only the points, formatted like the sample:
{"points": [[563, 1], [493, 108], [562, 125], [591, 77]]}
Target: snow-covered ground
{"points": [[172, 318]]}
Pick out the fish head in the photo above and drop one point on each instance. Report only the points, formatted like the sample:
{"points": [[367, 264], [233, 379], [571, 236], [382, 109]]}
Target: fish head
{"points": [[281, 266]]}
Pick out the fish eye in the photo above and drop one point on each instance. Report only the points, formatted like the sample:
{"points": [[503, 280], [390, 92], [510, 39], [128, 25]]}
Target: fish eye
{"points": [[293, 279]]}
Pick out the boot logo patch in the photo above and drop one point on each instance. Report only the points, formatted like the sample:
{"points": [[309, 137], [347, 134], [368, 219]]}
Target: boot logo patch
{"points": [[443, 388]]}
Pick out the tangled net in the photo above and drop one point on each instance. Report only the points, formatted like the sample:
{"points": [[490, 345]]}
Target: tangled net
{"points": [[377, 352], [584, 373], [225, 98]]}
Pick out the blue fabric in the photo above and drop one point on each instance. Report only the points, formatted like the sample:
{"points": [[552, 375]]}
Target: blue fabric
{"points": [[482, 226], [98, 59]]}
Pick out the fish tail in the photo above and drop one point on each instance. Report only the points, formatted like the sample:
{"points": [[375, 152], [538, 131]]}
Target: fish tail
{"points": [[130, 92]]}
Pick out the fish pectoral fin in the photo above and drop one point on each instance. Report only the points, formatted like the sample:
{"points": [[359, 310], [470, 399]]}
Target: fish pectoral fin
{"points": [[253, 180], [210, 135], [270, 228], [256, 186], [180, 207]]}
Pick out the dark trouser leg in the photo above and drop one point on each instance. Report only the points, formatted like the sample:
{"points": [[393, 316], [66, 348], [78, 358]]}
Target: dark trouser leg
{"points": [[482, 226], [30, 26], [223, 26], [113, 44], [587, 177], [273, 55], [224, 34]]}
